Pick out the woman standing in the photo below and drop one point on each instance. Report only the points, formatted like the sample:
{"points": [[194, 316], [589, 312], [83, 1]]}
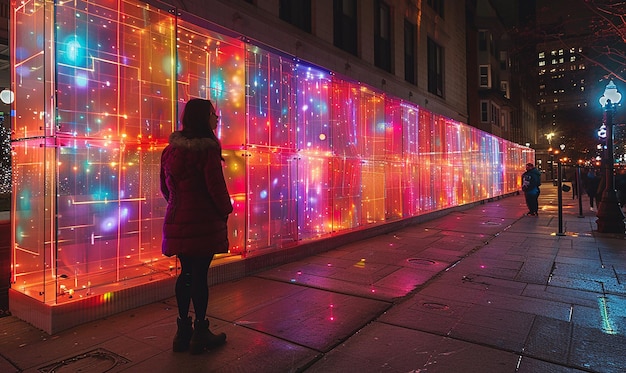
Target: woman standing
{"points": [[194, 228]]}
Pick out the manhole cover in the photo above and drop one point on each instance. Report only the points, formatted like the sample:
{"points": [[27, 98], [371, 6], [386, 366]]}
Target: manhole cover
{"points": [[422, 261], [98, 360], [436, 306], [492, 223]]}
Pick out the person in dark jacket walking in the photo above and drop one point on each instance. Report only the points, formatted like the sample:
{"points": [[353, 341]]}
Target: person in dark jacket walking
{"points": [[195, 223], [531, 179], [591, 188]]}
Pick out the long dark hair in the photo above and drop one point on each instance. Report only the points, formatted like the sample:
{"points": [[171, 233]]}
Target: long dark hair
{"points": [[195, 120]]}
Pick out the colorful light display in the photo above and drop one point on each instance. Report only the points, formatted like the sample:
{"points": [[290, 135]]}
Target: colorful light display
{"points": [[307, 155]]}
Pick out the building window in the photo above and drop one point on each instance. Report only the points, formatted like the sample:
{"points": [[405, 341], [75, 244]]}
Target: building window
{"points": [[382, 35], [437, 6], [504, 87], [298, 13], [542, 54], [345, 25], [409, 52], [504, 60], [435, 68], [495, 115], [484, 74], [482, 40], [484, 111]]}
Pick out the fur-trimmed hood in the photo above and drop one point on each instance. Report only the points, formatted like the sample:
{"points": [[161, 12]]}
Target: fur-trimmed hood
{"points": [[178, 140]]}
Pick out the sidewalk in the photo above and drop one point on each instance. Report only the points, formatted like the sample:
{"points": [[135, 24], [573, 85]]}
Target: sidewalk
{"points": [[483, 290]]}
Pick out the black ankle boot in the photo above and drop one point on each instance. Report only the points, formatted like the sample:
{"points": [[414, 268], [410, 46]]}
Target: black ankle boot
{"points": [[183, 335], [203, 339]]}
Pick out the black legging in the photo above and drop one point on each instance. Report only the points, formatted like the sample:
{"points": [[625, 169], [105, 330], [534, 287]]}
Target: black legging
{"points": [[192, 286]]}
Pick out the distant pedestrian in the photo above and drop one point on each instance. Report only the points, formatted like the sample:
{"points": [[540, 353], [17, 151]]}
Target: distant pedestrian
{"points": [[620, 186], [531, 180], [601, 187], [194, 227], [592, 182]]}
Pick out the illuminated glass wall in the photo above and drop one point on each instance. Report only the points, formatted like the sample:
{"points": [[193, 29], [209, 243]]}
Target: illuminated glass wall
{"points": [[99, 86]]}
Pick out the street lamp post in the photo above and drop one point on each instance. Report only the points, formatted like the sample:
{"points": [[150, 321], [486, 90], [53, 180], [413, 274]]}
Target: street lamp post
{"points": [[610, 216]]}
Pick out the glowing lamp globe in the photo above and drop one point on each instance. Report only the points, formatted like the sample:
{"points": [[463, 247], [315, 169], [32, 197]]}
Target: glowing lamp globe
{"points": [[610, 93], [7, 96]]}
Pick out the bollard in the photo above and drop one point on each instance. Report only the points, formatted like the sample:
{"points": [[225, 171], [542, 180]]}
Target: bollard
{"points": [[559, 173], [579, 192]]}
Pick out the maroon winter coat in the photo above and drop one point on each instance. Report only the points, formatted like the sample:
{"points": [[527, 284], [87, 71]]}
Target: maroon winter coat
{"points": [[198, 203]]}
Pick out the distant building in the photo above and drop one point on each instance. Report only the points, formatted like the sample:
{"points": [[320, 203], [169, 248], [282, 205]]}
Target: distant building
{"points": [[505, 101], [573, 70]]}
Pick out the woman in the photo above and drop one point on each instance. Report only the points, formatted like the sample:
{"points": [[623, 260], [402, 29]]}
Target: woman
{"points": [[194, 228]]}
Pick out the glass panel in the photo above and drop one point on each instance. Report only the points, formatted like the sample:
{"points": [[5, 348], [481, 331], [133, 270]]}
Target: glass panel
{"points": [[33, 256], [371, 131], [394, 156], [411, 175], [453, 182], [345, 180], [426, 161], [314, 152], [271, 199], [28, 58], [271, 141]]}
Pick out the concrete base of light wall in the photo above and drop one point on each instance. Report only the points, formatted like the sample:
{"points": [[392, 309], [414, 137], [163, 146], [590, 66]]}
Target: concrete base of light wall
{"points": [[58, 317]]}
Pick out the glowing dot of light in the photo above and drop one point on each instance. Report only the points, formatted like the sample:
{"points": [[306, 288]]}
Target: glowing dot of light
{"points": [[263, 194], [322, 136], [73, 49], [107, 296], [108, 224]]}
